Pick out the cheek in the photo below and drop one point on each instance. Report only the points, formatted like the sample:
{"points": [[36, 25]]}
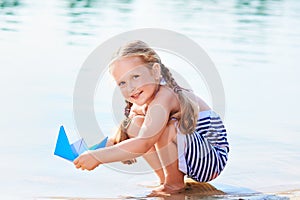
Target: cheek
{"points": [[146, 82], [124, 92]]}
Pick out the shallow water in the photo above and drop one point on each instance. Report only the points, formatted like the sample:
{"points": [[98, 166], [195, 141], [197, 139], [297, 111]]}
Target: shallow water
{"points": [[253, 44]]}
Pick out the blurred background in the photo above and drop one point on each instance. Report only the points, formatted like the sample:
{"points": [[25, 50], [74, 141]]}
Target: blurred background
{"points": [[254, 45]]}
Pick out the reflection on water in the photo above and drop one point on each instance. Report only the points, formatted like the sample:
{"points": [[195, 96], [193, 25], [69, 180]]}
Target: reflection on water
{"points": [[9, 19], [192, 190], [80, 17], [83, 20], [257, 8], [88, 18]]}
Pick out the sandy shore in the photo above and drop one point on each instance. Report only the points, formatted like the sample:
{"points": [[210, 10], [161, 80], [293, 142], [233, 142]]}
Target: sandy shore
{"points": [[196, 190]]}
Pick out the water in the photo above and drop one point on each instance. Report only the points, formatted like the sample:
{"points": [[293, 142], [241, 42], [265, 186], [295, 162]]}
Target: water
{"points": [[254, 45]]}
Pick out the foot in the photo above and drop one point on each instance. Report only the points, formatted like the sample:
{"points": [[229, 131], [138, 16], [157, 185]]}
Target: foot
{"points": [[166, 190], [151, 186]]}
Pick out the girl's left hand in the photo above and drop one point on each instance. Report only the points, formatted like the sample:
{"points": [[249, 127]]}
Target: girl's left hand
{"points": [[86, 161], [129, 162]]}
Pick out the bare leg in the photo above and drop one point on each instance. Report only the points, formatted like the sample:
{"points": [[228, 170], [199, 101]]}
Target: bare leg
{"points": [[167, 150], [151, 156], [153, 160]]}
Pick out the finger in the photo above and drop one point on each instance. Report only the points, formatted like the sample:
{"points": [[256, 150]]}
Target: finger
{"points": [[82, 167], [76, 161], [128, 162], [78, 166], [125, 162]]}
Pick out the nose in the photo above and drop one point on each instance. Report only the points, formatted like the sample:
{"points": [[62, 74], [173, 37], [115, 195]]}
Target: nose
{"points": [[130, 87]]}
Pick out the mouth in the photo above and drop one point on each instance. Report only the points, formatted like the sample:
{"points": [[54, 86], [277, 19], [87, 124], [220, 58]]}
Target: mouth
{"points": [[136, 95]]}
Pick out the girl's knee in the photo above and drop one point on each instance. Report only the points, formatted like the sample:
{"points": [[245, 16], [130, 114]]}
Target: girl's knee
{"points": [[170, 132]]}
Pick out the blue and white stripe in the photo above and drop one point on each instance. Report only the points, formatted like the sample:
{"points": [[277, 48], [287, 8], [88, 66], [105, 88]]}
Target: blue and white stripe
{"points": [[207, 148]]}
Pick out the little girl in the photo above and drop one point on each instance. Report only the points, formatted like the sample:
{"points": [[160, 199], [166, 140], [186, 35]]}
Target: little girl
{"points": [[174, 130]]}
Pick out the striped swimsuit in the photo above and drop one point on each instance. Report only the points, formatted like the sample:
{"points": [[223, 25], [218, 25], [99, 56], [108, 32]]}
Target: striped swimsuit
{"points": [[202, 155]]}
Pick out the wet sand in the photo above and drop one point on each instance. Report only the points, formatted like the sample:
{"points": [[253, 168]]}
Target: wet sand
{"points": [[195, 190]]}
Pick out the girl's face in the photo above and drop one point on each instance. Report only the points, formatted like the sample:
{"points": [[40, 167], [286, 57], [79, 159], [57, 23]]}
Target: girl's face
{"points": [[137, 82]]}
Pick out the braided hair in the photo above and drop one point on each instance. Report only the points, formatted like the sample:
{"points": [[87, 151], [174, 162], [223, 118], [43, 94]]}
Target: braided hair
{"points": [[188, 108], [122, 131]]}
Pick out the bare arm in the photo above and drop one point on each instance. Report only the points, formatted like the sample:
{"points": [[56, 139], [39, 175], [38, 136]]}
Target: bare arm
{"points": [[155, 121]]}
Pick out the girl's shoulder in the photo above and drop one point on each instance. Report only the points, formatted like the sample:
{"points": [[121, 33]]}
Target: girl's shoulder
{"points": [[166, 97], [165, 93]]}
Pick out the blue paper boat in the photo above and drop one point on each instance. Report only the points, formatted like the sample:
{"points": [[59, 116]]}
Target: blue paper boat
{"points": [[69, 151]]}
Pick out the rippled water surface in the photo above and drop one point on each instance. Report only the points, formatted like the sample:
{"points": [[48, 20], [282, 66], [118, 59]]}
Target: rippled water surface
{"points": [[255, 46]]}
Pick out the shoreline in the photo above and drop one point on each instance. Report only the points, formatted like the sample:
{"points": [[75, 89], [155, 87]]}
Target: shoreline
{"points": [[196, 190]]}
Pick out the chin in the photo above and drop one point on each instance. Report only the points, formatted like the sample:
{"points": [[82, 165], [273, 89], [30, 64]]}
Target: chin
{"points": [[139, 102]]}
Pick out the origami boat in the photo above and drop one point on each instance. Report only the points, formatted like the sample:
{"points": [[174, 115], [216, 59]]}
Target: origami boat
{"points": [[69, 151]]}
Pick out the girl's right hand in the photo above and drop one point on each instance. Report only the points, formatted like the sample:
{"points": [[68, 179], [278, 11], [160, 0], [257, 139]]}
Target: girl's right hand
{"points": [[129, 162], [86, 161]]}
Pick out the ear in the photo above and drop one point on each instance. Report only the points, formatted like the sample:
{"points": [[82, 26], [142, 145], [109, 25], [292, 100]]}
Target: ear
{"points": [[156, 71]]}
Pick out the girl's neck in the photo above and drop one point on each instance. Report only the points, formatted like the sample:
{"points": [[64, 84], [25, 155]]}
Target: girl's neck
{"points": [[151, 99]]}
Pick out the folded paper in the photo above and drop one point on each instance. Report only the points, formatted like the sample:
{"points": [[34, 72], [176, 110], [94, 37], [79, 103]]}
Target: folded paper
{"points": [[69, 151]]}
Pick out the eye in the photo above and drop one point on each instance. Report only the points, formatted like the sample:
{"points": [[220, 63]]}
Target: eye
{"points": [[122, 84], [135, 76]]}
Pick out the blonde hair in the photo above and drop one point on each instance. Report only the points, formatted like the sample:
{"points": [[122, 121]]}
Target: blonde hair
{"points": [[188, 108]]}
